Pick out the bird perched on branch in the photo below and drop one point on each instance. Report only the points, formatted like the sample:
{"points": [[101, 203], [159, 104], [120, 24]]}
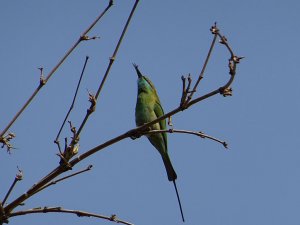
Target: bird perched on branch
{"points": [[148, 108]]}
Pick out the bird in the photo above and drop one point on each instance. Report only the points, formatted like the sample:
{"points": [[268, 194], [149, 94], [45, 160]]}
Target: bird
{"points": [[148, 108]]}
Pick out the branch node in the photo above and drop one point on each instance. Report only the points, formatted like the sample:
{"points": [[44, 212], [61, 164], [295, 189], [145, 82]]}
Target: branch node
{"points": [[225, 91], [84, 38], [19, 175], [87, 38], [186, 93], [223, 40], [63, 161], [214, 29], [225, 144], [113, 217], [6, 141], [89, 167], [237, 59]]}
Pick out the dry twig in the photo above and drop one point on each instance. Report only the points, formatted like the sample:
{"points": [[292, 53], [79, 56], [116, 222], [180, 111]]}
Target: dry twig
{"points": [[79, 213]]}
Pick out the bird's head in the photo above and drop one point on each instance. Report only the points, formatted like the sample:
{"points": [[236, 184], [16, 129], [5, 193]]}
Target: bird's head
{"points": [[144, 84]]}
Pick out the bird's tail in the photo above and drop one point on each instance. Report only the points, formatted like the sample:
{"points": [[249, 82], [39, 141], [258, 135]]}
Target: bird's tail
{"points": [[172, 176]]}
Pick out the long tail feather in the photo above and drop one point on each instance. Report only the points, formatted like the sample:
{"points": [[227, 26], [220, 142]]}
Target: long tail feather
{"points": [[178, 200], [169, 168]]}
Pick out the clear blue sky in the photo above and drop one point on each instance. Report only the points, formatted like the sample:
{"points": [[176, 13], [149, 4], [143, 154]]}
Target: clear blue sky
{"points": [[255, 182]]}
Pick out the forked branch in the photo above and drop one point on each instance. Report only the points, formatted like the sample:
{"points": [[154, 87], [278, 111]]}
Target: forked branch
{"points": [[233, 61], [63, 167], [199, 134], [45, 80]]}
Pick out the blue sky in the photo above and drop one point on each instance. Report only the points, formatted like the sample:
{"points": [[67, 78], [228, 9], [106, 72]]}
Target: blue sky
{"points": [[255, 182]]}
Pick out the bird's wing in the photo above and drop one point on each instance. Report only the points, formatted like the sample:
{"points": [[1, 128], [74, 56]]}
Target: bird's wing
{"points": [[158, 110]]}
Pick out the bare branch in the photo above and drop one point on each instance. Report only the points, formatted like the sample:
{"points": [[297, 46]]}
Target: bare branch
{"points": [[74, 99], [66, 166], [41, 84], [18, 177], [78, 213], [3, 217], [61, 168], [204, 65], [111, 61], [199, 134], [64, 178]]}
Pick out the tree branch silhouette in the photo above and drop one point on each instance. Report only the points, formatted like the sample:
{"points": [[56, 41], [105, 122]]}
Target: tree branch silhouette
{"points": [[112, 218], [43, 81], [68, 158], [233, 61], [72, 148], [196, 133], [72, 104]]}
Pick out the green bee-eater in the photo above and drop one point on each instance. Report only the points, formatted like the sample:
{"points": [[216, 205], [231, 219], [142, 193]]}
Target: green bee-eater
{"points": [[148, 108]]}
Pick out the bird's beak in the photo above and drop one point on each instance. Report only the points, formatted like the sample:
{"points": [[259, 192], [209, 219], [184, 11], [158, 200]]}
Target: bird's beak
{"points": [[137, 70]]}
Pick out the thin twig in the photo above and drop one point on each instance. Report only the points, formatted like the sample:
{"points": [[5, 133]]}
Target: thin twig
{"points": [[18, 177], [74, 99], [60, 169], [199, 134], [204, 66], [111, 61], [79, 213], [191, 93], [41, 84], [64, 178]]}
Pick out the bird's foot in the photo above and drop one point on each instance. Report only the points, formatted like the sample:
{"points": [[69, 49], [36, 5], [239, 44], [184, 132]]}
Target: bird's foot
{"points": [[134, 134]]}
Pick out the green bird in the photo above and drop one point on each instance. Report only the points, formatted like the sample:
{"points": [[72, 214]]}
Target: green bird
{"points": [[148, 108]]}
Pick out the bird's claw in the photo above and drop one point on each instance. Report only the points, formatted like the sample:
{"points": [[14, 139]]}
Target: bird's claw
{"points": [[134, 134]]}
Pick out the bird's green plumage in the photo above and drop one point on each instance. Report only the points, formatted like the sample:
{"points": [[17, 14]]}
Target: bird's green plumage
{"points": [[148, 108]]}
